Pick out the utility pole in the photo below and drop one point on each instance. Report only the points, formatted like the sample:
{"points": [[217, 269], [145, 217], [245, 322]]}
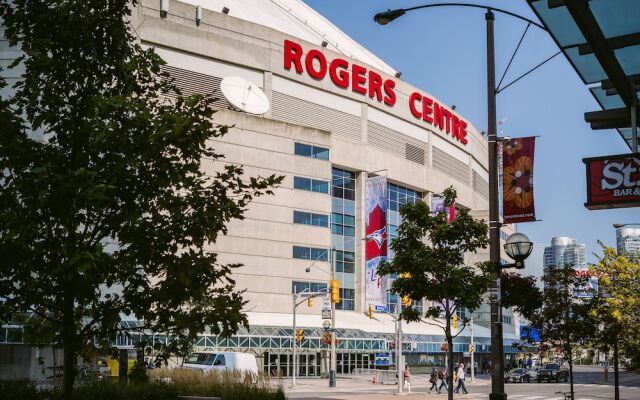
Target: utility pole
{"points": [[399, 363], [295, 355], [473, 350], [332, 372]]}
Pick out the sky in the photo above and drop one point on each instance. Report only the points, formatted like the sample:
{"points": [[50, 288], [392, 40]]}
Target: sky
{"points": [[443, 52]]}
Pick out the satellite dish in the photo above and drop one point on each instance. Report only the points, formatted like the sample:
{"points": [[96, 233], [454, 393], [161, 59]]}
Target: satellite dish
{"points": [[244, 95]]}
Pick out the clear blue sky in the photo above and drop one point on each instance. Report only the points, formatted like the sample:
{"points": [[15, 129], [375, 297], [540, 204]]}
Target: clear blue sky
{"points": [[442, 51]]}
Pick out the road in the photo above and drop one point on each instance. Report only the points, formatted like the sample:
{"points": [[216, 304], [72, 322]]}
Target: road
{"points": [[589, 384]]}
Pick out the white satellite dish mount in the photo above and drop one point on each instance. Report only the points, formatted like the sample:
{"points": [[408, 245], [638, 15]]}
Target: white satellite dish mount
{"points": [[244, 95]]}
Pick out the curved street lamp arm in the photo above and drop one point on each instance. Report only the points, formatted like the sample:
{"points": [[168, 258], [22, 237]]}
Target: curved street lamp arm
{"points": [[488, 8]]}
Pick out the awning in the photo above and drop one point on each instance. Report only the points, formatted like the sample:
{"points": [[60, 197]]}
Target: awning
{"points": [[601, 40]]}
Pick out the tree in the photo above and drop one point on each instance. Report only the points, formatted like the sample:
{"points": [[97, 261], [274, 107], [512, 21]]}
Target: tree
{"points": [[107, 208], [429, 260], [564, 318], [520, 293], [617, 306]]}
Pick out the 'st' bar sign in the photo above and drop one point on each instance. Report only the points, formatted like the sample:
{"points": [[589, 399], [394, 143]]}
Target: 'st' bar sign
{"points": [[613, 181]]}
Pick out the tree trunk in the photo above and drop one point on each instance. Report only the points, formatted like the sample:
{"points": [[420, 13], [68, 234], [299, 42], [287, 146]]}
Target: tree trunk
{"points": [[616, 383], [450, 366], [69, 345], [571, 371]]}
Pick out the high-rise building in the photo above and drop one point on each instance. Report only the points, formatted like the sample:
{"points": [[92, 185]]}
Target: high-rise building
{"points": [[628, 240], [565, 251]]}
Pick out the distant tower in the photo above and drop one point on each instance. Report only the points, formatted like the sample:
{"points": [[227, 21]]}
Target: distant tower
{"points": [[628, 240], [565, 251]]}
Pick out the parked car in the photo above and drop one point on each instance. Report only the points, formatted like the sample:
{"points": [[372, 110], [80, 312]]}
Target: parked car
{"points": [[553, 372], [221, 361], [519, 375]]}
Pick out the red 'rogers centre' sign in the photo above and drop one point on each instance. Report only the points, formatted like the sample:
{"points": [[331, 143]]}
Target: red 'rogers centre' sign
{"points": [[369, 83], [613, 181]]}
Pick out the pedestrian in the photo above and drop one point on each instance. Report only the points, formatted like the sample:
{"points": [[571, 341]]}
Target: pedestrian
{"points": [[461, 380], [529, 363], [444, 378], [433, 379], [407, 378]]}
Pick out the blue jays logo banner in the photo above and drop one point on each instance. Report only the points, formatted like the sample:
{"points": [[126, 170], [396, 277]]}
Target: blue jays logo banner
{"points": [[376, 231]]}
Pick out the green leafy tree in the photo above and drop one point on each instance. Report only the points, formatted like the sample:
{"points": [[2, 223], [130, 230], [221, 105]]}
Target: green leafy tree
{"points": [[564, 319], [520, 293], [107, 208], [617, 306], [429, 258]]}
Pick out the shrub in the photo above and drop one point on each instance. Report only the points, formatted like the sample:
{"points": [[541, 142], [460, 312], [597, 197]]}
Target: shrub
{"points": [[101, 390], [230, 385]]}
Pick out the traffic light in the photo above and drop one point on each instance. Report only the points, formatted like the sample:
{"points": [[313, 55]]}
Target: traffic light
{"points": [[370, 311], [335, 291], [470, 348], [406, 300], [309, 302], [455, 321], [299, 335]]}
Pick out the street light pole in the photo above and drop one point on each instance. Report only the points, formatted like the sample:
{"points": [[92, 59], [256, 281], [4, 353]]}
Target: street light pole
{"points": [[497, 370]]}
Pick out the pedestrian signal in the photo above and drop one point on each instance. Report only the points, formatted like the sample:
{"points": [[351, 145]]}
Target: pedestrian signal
{"points": [[299, 335], [406, 300], [470, 348], [455, 321], [335, 291]]}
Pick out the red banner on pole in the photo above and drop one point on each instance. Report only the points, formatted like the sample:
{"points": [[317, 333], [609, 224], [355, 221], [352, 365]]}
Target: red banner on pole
{"points": [[517, 180]]}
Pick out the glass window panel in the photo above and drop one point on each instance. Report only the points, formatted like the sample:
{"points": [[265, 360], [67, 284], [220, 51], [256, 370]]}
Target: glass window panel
{"points": [[349, 267], [338, 192], [349, 256], [300, 217], [616, 18], [302, 149], [301, 252], [560, 23], [336, 218], [301, 183], [349, 220], [320, 153], [587, 65], [349, 194], [337, 229], [339, 266], [319, 254], [349, 231], [320, 220], [320, 186]]}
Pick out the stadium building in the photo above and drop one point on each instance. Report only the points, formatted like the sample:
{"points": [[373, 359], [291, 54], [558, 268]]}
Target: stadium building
{"points": [[337, 115]]}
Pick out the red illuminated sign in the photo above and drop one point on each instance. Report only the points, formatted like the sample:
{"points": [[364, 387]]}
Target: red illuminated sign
{"points": [[366, 82], [613, 181]]}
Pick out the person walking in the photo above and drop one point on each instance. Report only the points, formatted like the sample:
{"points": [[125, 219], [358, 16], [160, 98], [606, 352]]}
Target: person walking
{"points": [[433, 379], [407, 378], [461, 380], [529, 363], [443, 375]]}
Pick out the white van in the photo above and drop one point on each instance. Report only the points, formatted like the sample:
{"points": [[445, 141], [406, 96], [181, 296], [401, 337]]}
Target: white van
{"points": [[221, 361]]}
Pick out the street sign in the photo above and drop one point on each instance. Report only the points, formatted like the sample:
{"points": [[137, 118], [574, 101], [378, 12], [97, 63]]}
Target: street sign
{"points": [[382, 359], [326, 309], [380, 308], [326, 314]]}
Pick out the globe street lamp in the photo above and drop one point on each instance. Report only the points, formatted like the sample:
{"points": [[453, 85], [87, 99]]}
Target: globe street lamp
{"points": [[383, 18], [518, 247]]}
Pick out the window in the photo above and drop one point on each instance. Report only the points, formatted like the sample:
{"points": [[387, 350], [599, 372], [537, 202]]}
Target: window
{"points": [[308, 150], [345, 261], [343, 184], [312, 185], [343, 224], [310, 253], [347, 301], [300, 217], [298, 287], [399, 196], [506, 320], [220, 361]]}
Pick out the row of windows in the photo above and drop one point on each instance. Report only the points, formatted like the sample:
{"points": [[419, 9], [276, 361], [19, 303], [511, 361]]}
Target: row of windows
{"points": [[312, 151], [310, 253], [300, 217], [399, 196], [312, 185], [347, 299]]}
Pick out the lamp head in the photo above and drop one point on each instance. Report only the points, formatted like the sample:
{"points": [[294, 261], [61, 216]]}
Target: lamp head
{"points": [[385, 17], [308, 269], [619, 225], [518, 247]]}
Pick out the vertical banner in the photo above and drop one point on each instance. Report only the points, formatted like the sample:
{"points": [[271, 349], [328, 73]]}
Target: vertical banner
{"points": [[437, 207], [376, 248], [517, 180]]}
